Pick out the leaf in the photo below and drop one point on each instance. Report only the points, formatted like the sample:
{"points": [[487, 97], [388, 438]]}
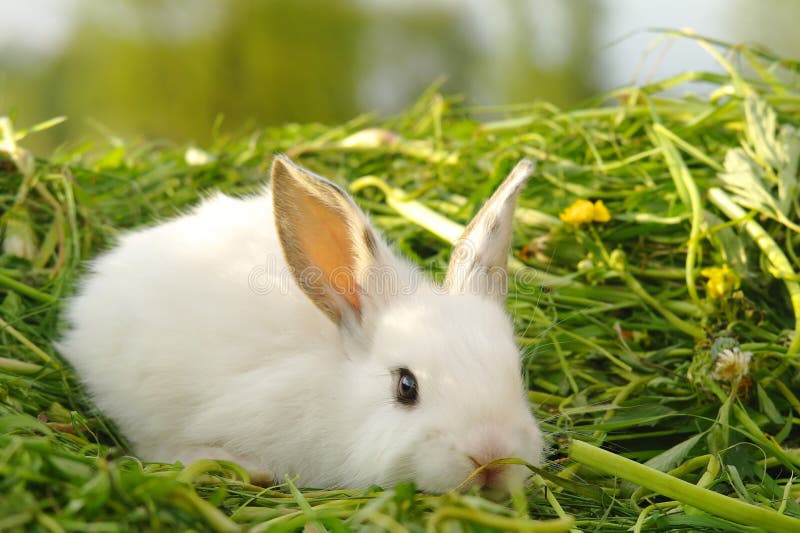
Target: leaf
{"points": [[669, 459], [719, 436], [738, 484], [785, 430], [743, 178], [730, 244], [760, 126], [745, 458], [767, 406], [762, 174], [640, 416], [778, 149], [787, 174]]}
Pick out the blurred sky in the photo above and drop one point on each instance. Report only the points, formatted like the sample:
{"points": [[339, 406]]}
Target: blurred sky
{"points": [[169, 68]]}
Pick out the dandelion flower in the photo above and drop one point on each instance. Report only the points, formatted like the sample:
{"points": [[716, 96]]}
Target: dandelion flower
{"points": [[601, 213], [731, 364], [585, 212], [722, 281]]}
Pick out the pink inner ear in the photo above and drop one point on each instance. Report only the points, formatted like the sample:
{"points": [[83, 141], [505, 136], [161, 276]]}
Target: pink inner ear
{"points": [[327, 241]]}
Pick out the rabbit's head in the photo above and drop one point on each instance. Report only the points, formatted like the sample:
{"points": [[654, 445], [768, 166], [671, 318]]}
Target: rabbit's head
{"points": [[431, 387]]}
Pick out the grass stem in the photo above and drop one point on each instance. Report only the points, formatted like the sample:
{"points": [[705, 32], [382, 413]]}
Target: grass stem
{"points": [[682, 491]]}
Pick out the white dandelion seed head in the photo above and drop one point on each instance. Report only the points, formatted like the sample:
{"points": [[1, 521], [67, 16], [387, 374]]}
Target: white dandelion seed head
{"points": [[731, 364]]}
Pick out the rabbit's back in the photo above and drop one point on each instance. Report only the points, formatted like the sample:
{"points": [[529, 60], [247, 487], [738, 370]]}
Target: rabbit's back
{"points": [[178, 312]]}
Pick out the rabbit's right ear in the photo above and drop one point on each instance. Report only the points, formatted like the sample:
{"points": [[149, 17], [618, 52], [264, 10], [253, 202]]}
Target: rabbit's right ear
{"points": [[480, 256], [327, 240]]}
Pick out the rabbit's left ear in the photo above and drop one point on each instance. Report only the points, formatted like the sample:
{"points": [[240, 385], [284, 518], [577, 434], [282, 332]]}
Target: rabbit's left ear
{"points": [[479, 260]]}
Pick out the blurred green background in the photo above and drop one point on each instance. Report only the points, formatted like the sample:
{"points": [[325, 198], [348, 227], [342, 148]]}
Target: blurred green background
{"points": [[171, 68]]}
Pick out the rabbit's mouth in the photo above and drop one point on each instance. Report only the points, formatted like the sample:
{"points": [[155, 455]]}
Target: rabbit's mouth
{"points": [[493, 480]]}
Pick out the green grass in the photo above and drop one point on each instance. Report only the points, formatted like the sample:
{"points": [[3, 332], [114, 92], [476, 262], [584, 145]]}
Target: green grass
{"points": [[617, 324]]}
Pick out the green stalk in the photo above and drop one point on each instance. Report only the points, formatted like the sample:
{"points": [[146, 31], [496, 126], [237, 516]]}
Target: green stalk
{"points": [[5, 326], [543, 397], [687, 190], [682, 491], [21, 288], [564, 365], [780, 264], [18, 367], [503, 523]]}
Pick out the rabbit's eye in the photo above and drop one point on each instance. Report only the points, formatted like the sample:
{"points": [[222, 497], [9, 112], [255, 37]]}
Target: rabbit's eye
{"points": [[407, 388]]}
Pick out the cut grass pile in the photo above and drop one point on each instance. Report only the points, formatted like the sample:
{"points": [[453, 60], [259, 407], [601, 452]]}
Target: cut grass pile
{"points": [[662, 347]]}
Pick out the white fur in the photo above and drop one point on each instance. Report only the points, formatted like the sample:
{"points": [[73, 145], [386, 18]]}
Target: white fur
{"points": [[177, 341]]}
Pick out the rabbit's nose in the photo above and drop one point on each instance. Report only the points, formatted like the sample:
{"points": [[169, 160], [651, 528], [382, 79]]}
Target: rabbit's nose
{"points": [[489, 444]]}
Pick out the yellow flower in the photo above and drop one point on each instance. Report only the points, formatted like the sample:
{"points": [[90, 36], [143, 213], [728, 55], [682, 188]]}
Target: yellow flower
{"points": [[721, 281], [585, 212], [601, 213]]}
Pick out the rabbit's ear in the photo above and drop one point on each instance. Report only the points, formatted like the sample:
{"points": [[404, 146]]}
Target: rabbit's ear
{"points": [[328, 243], [479, 260]]}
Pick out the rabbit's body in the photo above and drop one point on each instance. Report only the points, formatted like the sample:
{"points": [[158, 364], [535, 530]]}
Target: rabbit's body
{"points": [[163, 361], [194, 336]]}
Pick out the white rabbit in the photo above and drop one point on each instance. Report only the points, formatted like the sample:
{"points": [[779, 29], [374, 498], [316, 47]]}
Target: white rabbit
{"points": [[281, 332]]}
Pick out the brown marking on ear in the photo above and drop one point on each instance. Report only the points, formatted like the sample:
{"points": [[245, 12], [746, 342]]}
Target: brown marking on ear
{"points": [[492, 227], [370, 242]]}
